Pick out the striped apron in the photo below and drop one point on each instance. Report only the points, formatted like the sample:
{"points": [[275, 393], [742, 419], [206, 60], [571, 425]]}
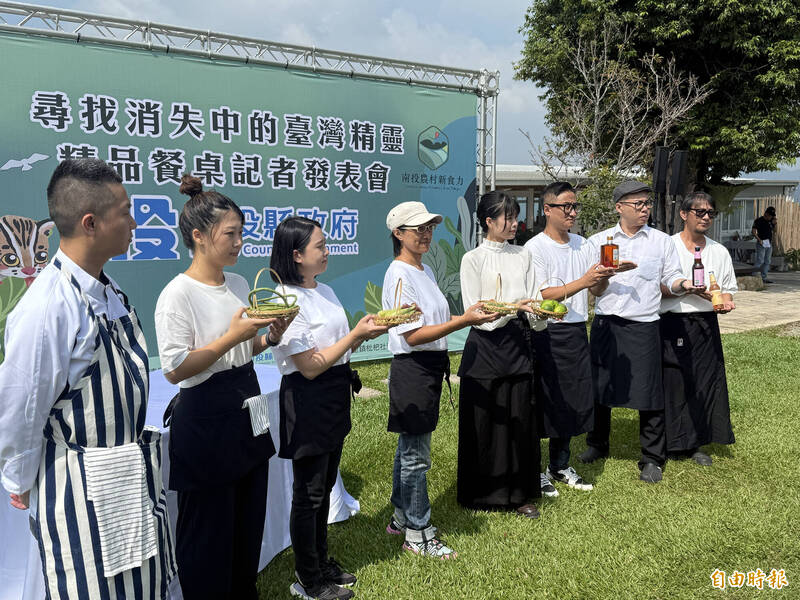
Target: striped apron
{"points": [[105, 409]]}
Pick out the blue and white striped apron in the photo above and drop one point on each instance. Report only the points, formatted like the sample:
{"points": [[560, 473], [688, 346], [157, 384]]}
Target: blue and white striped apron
{"points": [[105, 409]]}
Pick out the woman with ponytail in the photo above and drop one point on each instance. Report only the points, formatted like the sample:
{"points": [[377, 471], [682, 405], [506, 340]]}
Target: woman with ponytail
{"points": [[218, 462]]}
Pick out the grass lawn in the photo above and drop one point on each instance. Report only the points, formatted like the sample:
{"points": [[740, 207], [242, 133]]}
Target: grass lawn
{"points": [[625, 539]]}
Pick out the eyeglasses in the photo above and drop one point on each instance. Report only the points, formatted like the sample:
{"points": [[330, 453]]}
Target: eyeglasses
{"points": [[702, 212], [420, 229], [567, 207], [639, 205]]}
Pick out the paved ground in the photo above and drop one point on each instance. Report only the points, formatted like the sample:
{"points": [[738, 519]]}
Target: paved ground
{"points": [[776, 305]]}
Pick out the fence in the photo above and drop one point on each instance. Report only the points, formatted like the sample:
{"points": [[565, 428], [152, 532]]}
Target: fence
{"points": [[787, 233]]}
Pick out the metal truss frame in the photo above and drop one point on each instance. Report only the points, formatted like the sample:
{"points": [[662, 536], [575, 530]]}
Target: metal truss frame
{"points": [[79, 26]]}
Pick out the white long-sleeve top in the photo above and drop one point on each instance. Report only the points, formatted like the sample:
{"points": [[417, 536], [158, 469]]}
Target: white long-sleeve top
{"points": [[49, 344], [479, 269], [636, 294], [715, 258]]}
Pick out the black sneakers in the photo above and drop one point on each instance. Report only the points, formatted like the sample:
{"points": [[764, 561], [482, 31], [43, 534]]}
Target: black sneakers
{"points": [[323, 591], [332, 572]]}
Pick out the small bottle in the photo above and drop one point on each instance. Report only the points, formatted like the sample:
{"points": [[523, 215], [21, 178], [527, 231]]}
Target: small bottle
{"points": [[716, 293], [698, 271], [609, 254]]}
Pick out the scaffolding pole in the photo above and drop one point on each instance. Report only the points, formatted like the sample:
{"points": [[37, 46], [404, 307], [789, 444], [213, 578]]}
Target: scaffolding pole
{"points": [[61, 23]]}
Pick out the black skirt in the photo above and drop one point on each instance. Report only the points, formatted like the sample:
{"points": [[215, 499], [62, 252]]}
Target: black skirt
{"points": [[626, 363], [696, 404], [211, 439], [498, 445], [563, 379], [315, 413], [415, 388]]}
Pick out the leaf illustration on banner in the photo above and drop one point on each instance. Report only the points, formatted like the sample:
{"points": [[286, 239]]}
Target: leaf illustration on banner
{"points": [[448, 223], [451, 286], [353, 319], [453, 255], [467, 226], [373, 298], [436, 259], [11, 290]]}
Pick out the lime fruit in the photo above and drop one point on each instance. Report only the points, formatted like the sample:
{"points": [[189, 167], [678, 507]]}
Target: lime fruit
{"points": [[560, 309], [549, 305]]}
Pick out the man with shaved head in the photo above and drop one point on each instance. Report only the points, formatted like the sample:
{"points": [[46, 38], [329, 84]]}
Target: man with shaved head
{"points": [[73, 444]]}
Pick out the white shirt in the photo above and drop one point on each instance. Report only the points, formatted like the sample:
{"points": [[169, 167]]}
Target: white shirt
{"points": [[191, 315], [636, 294], [49, 344], [479, 269], [419, 286], [552, 260], [320, 323], [715, 258]]}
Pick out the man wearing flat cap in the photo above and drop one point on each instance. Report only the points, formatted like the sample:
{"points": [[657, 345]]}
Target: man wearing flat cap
{"points": [[625, 341]]}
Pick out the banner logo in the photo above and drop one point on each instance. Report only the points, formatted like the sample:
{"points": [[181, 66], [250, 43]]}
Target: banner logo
{"points": [[433, 147]]}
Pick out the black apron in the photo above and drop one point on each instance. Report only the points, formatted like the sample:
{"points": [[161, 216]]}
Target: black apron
{"points": [[563, 380], [626, 363], [498, 443], [315, 413], [695, 386], [415, 388], [211, 439]]}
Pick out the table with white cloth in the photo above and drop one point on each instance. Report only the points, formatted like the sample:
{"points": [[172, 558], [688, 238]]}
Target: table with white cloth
{"points": [[20, 565]]}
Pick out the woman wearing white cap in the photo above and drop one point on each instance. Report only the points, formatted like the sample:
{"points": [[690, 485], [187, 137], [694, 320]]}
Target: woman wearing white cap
{"points": [[419, 365], [498, 446]]}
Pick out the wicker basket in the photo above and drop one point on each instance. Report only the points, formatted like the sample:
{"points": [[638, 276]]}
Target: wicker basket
{"points": [[536, 305], [497, 306], [394, 320], [275, 305]]}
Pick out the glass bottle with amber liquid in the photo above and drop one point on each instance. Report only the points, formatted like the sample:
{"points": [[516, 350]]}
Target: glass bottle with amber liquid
{"points": [[716, 294], [609, 254], [698, 271]]}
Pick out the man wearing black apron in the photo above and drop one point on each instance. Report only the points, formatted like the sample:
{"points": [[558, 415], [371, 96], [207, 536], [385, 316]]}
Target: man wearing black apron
{"points": [[565, 266], [695, 386], [625, 342], [75, 384]]}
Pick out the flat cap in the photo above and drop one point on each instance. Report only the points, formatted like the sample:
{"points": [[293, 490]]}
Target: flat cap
{"points": [[629, 187]]}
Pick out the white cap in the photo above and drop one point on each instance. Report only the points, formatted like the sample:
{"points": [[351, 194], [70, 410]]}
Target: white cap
{"points": [[410, 214]]}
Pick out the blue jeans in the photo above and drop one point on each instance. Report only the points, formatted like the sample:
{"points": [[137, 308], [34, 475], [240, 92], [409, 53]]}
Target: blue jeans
{"points": [[409, 482], [762, 259]]}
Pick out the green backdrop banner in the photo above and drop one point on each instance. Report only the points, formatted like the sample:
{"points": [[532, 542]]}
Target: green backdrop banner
{"points": [[279, 142]]}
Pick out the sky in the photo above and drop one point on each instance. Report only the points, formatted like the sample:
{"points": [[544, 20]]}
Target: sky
{"points": [[456, 33]]}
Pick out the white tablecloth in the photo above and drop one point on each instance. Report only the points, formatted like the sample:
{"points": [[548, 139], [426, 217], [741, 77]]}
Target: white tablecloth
{"points": [[20, 566]]}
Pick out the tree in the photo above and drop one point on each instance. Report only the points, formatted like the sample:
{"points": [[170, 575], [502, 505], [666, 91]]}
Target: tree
{"points": [[747, 54]]}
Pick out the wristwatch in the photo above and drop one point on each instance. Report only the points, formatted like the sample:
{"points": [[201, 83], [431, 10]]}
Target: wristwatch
{"points": [[270, 343]]}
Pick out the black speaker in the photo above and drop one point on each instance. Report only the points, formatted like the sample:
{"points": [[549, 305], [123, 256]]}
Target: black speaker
{"points": [[677, 178], [660, 170]]}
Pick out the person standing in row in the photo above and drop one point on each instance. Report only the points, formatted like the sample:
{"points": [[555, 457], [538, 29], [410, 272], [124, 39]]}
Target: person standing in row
{"points": [[218, 463], [74, 398], [314, 359], [696, 404], [563, 378], [419, 364], [498, 442], [625, 343], [762, 230]]}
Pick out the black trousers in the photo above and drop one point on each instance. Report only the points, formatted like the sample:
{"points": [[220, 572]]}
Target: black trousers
{"points": [[651, 434], [218, 538], [314, 477]]}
